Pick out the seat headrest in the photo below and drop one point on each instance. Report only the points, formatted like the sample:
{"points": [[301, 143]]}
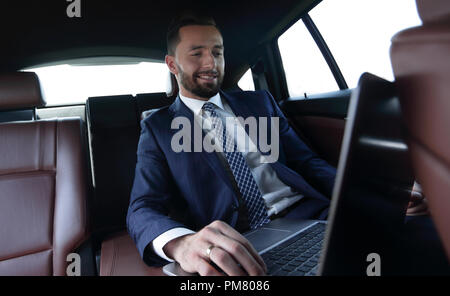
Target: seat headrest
{"points": [[172, 86], [20, 90], [432, 11]]}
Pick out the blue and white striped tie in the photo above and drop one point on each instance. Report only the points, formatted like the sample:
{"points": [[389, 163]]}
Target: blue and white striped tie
{"points": [[257, 213]]}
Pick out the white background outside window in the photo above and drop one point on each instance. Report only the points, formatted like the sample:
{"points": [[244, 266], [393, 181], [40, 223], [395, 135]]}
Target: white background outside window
{"points": [[358, 33], [246, 81], [67, 84]]}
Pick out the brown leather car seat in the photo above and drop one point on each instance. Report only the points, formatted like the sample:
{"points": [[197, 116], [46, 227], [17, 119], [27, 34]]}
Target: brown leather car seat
{"points": [[421, 63], [42, 185]]}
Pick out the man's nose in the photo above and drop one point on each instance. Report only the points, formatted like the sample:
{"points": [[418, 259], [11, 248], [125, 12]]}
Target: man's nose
{"points": [[209, 61]]}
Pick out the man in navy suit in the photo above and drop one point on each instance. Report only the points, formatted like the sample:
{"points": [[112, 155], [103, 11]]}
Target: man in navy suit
{"points": [[226, 191]]}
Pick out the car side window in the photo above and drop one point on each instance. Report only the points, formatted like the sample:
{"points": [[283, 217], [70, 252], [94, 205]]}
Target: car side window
{"points": [[358, 34], [305, 67], [246, 81]]}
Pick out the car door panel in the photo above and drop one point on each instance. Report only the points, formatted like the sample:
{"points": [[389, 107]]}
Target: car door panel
{"points": [[320, 121]]}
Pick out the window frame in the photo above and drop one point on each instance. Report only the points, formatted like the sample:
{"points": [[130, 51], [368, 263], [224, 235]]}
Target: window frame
{"points": [[322, 47], [325, 50]]}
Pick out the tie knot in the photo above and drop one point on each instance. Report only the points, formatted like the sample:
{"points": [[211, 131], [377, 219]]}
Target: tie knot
{"points": [[210, 107]]}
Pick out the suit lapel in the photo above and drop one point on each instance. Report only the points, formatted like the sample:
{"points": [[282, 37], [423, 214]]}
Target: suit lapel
{"points": [[241, 108], [178, 108], [238, 106]]}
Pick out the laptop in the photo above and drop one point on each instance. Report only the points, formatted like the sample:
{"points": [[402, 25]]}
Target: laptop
{"points": [[369, 201]]}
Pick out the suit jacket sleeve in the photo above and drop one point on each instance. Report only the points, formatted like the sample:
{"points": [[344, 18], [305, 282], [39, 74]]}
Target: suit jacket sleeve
{"points": [[301, 158], [148, 210]]}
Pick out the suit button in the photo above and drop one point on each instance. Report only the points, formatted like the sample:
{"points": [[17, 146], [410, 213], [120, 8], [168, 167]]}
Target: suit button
{"points": [[235, 208]]}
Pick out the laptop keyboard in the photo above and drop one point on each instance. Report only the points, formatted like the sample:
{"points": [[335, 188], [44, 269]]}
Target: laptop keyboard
{"points": [[298, 255]]}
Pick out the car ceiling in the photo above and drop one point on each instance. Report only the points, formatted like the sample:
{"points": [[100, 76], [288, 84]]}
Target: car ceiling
{"points": [[34, 33]]}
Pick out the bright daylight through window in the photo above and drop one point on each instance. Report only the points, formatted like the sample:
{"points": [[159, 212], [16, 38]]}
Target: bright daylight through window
{"points": [[358, 33], [246, 82], [74, 81]]}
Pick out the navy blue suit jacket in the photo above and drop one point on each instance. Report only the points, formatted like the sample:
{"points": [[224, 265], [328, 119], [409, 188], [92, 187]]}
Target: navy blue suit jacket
{"points": [[197, 181]]}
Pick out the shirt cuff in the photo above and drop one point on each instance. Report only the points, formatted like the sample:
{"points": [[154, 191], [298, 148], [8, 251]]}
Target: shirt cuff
{"points": [[159, 242]]}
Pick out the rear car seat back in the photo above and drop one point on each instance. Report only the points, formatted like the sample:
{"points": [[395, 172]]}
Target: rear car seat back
{"points": [[114, 134], [43, 210], [114, 125], [421, 64]]}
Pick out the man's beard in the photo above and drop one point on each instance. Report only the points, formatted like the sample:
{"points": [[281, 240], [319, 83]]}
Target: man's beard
{"points": [[206, 90]]}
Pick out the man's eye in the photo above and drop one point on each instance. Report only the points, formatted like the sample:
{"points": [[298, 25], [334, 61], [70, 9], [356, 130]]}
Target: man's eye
{"points": [[217, 53], [195, 54]]}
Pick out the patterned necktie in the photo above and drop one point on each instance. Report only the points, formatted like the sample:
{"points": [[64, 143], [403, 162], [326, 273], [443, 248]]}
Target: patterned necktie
{"points": [[257, 212]]}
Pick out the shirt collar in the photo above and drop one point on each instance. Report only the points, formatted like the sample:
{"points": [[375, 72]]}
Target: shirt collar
{"points": [[196, 105]]}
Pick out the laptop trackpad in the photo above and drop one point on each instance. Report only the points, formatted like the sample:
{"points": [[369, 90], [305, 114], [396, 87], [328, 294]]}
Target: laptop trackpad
{"points": [[266, 237]]}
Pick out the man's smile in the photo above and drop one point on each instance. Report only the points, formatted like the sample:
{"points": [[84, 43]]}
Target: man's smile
{"points": [[208, 77]]}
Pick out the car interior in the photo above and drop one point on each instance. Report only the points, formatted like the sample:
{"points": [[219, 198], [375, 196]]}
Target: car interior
{"points": [[66, 170]]}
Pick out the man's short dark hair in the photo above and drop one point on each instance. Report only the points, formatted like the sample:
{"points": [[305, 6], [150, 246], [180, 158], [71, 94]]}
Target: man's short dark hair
{"points": [[186, 18]]}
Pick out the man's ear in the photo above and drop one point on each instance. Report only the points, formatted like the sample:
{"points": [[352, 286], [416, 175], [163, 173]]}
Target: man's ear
{"points": [[170, 62]]}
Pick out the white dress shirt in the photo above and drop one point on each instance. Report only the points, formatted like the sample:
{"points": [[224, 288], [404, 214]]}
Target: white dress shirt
{"points": [[277, 195]]}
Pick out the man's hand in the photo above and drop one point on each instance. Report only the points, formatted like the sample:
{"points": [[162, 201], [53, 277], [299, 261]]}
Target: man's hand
{"points": [[230, 248]]}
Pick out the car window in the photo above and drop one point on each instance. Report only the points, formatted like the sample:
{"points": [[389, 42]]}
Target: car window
{"points": [[246, 81], [74, 81], [358, 33], [305, 68]]}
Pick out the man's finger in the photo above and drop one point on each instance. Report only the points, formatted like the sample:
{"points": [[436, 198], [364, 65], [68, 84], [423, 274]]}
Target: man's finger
{"points": [[231, 232], [238, 251], [206, 269], [222, 259]]}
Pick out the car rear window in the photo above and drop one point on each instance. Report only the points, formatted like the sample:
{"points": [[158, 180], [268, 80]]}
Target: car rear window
{"points": [[72, 82]]}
